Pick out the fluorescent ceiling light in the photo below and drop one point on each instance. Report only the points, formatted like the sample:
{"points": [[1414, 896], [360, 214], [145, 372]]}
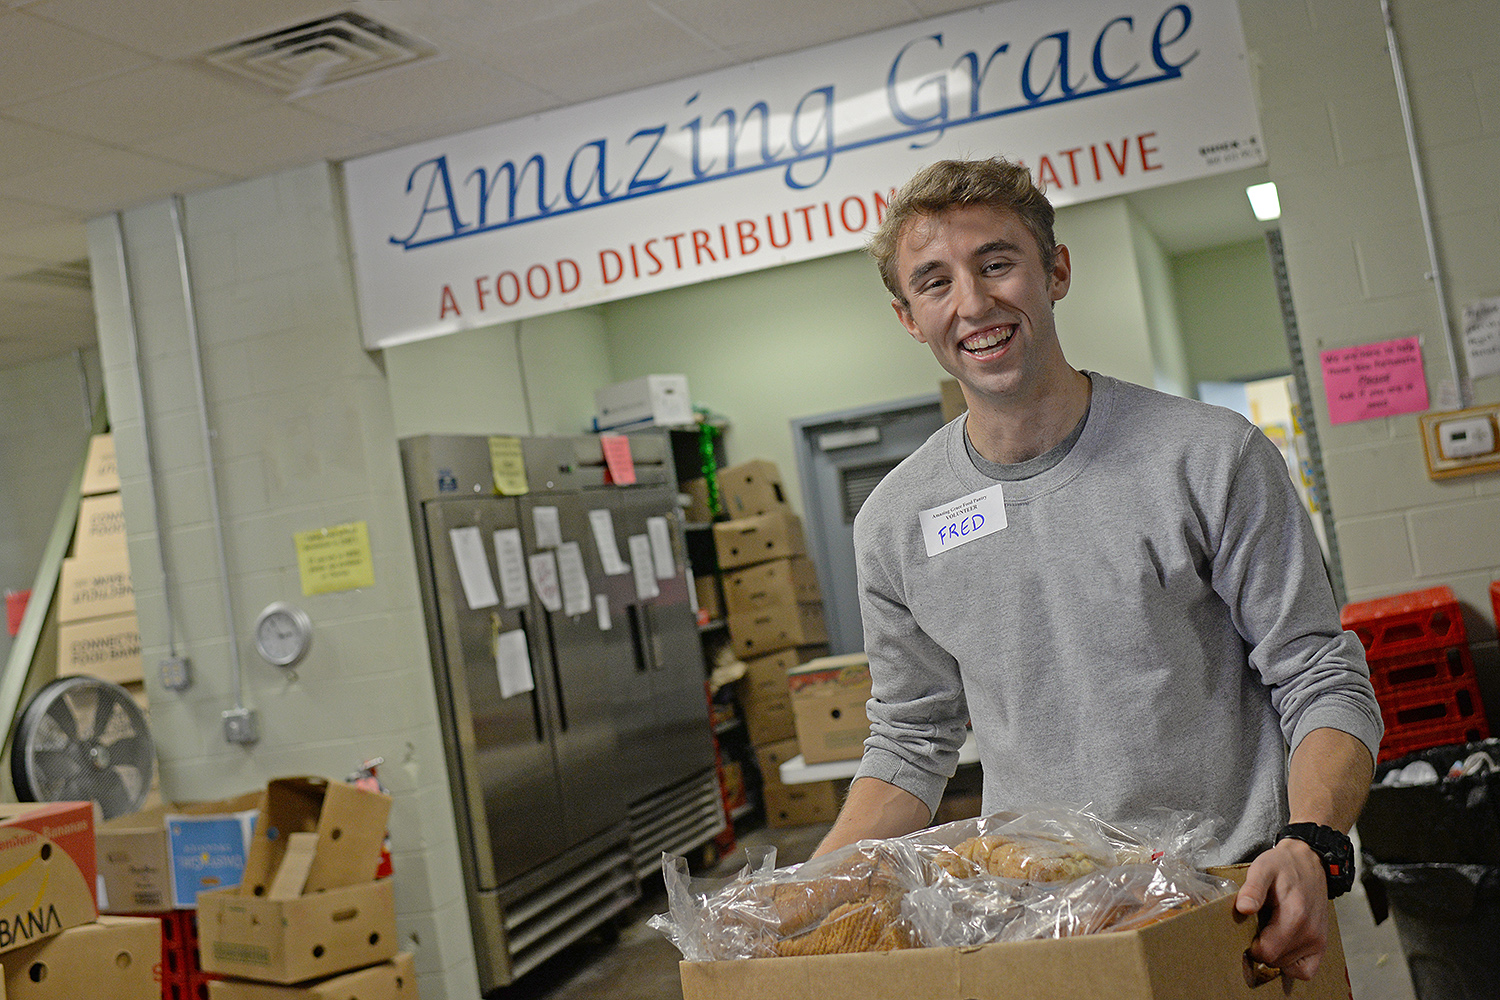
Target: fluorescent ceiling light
{"points": [[1263, 201]]}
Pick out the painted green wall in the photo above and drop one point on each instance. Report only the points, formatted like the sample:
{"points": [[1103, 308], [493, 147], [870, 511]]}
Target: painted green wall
{"points": [[1231, 320]]}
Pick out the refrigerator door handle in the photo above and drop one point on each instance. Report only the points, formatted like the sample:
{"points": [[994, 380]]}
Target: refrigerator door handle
{"points": [[638, 639], [536, 705], [557, 681]]}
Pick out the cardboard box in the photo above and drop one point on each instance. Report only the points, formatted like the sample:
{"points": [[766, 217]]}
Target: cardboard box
{"points": [[828, 704], [779, 627], [706, 593], [749, 540], [651, 400], [393, 980], [94, 588], [47, 870], [108, 648], [951, 399], [800, 804], [1196, 955], [115, 958], [349, 822], [764, 697], [139, 854], [294, 940], [770, 584], [99, 472], [751, 488], [697, 510], [101, 527]]}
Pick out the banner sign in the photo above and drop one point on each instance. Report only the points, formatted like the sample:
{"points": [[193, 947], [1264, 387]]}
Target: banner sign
{"points": [[789, 158]]}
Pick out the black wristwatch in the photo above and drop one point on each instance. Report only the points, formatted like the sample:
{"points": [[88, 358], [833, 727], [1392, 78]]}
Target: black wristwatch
{"points": [[1333, 847]]}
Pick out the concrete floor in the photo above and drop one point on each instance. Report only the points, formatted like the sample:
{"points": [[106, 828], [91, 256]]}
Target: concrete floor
{"points": [[634, 962]]}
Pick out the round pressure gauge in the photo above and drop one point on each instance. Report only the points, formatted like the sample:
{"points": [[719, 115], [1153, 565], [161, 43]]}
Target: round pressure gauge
{"points": [[282, 634]]}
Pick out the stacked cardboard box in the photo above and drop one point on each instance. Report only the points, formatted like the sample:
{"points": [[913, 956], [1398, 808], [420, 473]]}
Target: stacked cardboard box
{"points": [[828, 705], [1421, 668], [309, 919], [774, 609], [53, 943], [97, 632], [158, 859]]}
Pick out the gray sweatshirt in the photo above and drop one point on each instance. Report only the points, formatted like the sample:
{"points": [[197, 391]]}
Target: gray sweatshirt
{"points": [[1153, 627]]}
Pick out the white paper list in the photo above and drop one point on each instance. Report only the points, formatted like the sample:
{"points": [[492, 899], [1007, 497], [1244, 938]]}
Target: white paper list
{"points": [[575, 579], [603, 523], [512, 566], [513, 663], [473, 567], [640, 560], [660, 533], [548, 527], [544, 579]]}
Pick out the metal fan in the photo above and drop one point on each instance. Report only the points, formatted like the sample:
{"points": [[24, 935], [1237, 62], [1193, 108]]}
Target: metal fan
{"points": [[83, 739]]}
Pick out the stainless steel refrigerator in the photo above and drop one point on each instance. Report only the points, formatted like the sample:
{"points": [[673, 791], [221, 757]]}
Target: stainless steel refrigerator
{"points": [[569, 675]]}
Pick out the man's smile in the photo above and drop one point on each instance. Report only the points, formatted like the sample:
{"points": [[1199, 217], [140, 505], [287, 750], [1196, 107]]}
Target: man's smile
{"points": [[984, 340]]}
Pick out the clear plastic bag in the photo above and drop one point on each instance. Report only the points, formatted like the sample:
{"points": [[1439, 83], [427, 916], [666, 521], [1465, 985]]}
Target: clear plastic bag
{"points": [[1046, 872], [847, 900]]}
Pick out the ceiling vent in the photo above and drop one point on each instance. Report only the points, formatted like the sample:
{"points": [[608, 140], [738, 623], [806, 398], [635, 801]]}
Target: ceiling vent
{"points": [[318, 54]]}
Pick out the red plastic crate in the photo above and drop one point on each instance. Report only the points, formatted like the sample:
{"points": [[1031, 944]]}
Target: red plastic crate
{"points": [[1409, 739], [1448, 665], [1406, 623], [176, 988], [1434, 704], [1431, 715], [197, 986]]}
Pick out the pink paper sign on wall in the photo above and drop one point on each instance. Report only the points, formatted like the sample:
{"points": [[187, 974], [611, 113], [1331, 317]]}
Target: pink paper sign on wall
{"points": [[1374, 380]]}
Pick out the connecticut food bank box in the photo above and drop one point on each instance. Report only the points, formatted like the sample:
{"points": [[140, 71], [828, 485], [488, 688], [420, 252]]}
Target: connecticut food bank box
{"points": [[1198, 955]]}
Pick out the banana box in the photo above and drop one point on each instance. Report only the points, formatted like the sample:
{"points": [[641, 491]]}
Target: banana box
{"points": [[47, 870]]}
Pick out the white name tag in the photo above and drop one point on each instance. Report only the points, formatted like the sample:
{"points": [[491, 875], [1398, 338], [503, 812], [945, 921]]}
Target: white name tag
{"points": [[963, 520]]}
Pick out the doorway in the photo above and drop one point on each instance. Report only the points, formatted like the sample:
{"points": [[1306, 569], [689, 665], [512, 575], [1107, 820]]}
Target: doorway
{"points": [[841, 457]]}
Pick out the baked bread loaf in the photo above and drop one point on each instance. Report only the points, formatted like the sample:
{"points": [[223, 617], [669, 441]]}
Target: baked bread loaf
{"points": [[1035, 859]]}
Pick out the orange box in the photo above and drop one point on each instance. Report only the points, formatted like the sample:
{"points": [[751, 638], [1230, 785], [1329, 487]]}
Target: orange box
{"points": [[47, 869]]}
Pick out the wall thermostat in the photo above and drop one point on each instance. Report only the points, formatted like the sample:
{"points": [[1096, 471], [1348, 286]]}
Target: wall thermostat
{"points": [[1461, 442], [282, 634]]}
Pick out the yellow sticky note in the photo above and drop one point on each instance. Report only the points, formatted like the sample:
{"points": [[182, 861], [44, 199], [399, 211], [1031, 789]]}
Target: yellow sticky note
{"points": [[337, 558], [508, 466]]}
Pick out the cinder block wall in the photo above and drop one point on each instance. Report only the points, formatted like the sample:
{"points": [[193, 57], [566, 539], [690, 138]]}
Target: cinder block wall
{"points": [[1358, 262], [304, 439]]}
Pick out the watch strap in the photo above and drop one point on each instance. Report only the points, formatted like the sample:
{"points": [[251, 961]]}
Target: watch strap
{"points": [[1332, 846]]}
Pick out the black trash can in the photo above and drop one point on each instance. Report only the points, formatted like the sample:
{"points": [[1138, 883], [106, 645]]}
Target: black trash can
{"points": [[1455, 821], [1448, 920]]}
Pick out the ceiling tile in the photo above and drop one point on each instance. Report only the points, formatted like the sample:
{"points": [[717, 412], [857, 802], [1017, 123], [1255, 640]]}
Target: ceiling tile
{"points": [[172, 30], [145, 103], [47, 244], [21, 214], [38, 57], [25, 147], [112, 180], [12, 266], [422, 95], [263, 142], [624, 46], [761, 28]]}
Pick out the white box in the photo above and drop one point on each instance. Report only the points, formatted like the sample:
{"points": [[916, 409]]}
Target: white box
{"points": [[651, 400]]}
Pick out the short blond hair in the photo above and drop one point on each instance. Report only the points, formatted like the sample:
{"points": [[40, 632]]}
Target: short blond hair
{"points": [[947, 184]]}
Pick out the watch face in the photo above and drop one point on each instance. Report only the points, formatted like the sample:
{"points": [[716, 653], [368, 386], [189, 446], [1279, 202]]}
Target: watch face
{"points": [[282, 635]]}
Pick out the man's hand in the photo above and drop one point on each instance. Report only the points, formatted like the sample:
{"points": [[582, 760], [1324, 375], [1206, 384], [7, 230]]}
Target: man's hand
{"points": [[1290, 878]]}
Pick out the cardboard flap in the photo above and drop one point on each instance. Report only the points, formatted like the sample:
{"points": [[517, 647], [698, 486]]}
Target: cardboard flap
{"points": [[291, 877], [349, 822]]}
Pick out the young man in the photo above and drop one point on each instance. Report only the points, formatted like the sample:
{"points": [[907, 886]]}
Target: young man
{"points": [[1118, 588]]}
